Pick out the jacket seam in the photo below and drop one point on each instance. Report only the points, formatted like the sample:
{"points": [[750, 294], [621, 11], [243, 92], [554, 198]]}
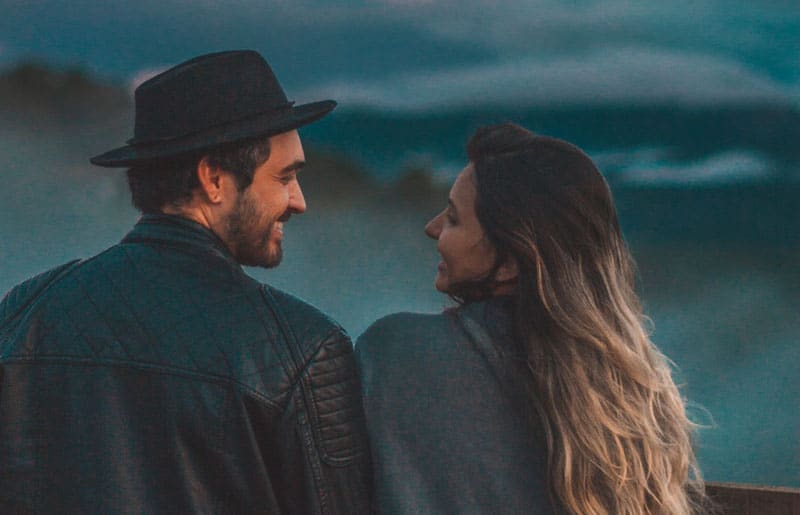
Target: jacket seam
{"points": [[324, 454], [308, 422], [321, 343], [66, 269], [146, 367], [314, 444], [306, 427], [185, 248], [283, 324]]}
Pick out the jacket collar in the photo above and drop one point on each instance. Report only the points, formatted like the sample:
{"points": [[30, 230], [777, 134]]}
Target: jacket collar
{"points": [[177, 231], [493, 314]]}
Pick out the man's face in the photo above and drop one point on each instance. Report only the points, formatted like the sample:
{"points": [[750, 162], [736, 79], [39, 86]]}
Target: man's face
{"points": [[254, 225]]}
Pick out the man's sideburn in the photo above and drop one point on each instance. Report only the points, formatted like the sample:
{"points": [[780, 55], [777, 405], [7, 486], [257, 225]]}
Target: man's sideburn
{"points": [[246, 241]]}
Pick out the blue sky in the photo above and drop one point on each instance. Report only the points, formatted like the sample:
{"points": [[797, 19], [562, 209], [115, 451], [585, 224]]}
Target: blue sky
{"points": [[405, 54]]}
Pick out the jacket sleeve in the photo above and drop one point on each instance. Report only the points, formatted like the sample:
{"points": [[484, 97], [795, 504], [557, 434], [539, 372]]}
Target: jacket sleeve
{"points": [[330, 430]]}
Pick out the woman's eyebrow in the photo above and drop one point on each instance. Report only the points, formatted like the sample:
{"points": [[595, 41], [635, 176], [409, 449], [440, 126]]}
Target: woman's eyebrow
{"points": [[452, 206]]}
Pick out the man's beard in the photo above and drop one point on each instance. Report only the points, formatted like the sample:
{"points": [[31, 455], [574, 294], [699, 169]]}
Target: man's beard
{"points": [[249, 242]]}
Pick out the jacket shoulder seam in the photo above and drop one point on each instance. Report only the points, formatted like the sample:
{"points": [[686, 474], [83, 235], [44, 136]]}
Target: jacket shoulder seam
{"points": [[174, 371], [335, 458], [48, 278]]}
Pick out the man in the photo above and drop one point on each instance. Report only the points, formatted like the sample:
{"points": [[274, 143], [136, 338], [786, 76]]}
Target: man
{"points": [[157, 377]]}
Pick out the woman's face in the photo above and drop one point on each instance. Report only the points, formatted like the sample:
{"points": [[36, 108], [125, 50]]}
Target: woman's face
{"points": [[466, 253]]}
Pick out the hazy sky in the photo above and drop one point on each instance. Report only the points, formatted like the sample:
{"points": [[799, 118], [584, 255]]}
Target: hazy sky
{"points": [[715, 305], [418, 53]]}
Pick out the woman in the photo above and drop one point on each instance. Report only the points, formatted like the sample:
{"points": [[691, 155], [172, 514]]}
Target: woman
{"points": [[541, 392]]}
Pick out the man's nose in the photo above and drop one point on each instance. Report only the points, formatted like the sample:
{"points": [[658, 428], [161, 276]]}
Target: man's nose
{"points": [[297, 202], [434, 227]]}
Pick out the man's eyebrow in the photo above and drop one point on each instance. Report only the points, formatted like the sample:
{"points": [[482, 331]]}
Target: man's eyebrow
{"points": [[297, 165]]}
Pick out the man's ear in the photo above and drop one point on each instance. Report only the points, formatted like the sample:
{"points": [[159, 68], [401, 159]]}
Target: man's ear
{"points": [[212, 179]]}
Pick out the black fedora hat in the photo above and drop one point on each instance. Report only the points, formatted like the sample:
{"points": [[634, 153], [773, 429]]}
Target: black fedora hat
{"points": [[208, 101]]}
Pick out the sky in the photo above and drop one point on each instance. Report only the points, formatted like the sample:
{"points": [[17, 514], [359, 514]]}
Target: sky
{"points": [[419, 54]]}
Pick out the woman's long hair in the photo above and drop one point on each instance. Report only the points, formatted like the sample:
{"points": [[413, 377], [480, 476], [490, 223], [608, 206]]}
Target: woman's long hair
{"points": [[618, 438]]}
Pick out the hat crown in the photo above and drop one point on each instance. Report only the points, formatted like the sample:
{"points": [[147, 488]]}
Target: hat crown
{"points": [[211, 100], [207, 91]]}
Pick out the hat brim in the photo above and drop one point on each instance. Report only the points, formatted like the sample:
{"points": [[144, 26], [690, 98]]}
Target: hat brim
{"points": [[262, 125]]}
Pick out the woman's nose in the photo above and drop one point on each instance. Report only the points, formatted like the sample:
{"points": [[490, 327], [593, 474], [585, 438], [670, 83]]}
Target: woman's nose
{"points": [[434, 227]]}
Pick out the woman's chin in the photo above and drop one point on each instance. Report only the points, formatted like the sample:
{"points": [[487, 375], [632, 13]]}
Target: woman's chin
{"points": [[440, 284]]}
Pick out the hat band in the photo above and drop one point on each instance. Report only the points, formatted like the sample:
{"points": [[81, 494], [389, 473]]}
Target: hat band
{"points": [[141, 143]]}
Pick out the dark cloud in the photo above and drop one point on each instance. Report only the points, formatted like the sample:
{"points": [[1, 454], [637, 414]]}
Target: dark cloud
{"points": [[417, 53]]}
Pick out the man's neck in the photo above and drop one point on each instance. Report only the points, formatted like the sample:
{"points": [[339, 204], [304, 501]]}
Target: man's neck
{"points": [[188, 212]]}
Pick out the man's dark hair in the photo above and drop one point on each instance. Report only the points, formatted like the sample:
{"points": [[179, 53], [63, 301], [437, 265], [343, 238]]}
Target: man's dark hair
{"points": [[170, 182]]}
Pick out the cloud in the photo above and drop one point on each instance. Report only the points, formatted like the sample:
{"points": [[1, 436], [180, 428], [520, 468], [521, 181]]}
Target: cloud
{"points": [[396, 53], [726, 167], [408, 3], [630, 75], [763, 35]]}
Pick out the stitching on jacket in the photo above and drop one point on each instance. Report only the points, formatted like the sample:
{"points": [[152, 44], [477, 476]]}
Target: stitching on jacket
{"points": [[311, 456], [58, 273], [178, 372], [151, 339], [351, 452], [283, 325]]}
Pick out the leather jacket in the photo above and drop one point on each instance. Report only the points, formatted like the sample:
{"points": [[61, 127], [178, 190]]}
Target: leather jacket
{"points": [[157, 377]]}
